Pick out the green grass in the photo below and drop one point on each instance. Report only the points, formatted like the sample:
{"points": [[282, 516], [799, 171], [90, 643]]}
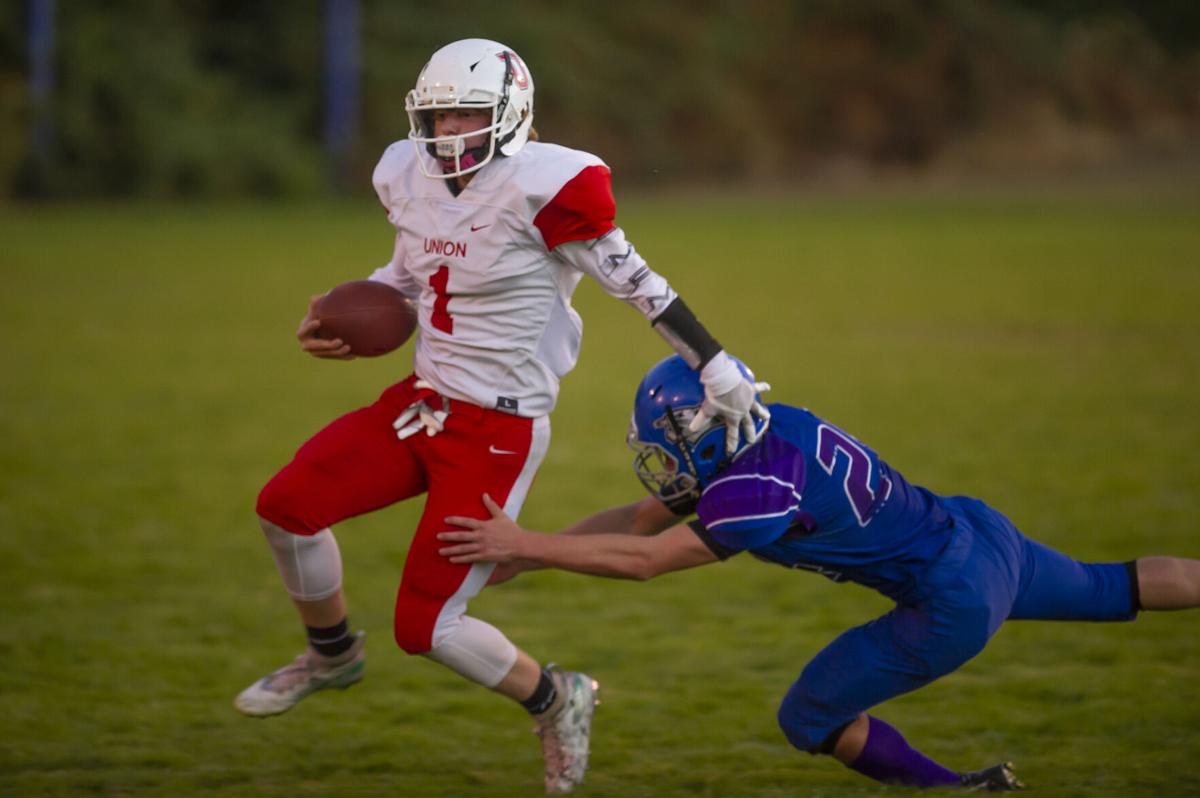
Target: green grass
{"points": [[1041, 353]]}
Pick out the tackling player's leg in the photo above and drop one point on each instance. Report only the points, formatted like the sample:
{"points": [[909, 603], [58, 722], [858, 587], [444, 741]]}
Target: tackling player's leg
{"points": [[878, 750], [824, 712], [1168, 583]]}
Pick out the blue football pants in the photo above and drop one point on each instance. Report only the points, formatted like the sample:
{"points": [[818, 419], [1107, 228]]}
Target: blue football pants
{"points": [[989, 573]]}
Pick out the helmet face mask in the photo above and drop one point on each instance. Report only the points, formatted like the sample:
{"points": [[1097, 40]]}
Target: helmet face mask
{"points": [[659, 472], [477, 74], [451, 151]]}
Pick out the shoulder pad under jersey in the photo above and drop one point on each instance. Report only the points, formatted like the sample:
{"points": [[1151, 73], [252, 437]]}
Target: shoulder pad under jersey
{"points": [[568, 193], [755, 500]]}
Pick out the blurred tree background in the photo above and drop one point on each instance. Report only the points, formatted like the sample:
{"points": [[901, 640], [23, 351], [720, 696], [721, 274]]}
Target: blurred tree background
{"points": [[226, 97]]}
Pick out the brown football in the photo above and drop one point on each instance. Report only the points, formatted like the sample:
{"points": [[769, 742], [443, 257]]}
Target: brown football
{"points": [[372, 317]]}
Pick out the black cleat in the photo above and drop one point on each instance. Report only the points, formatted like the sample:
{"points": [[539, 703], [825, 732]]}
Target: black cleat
{"points": [[997, 778]]}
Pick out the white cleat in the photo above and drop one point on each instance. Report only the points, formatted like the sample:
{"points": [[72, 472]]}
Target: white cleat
{"points": [[565, 731], [280, 691]]}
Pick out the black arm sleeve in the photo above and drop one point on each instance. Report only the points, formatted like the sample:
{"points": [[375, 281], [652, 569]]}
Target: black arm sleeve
{"points": [[686, 334], [722, 552]]}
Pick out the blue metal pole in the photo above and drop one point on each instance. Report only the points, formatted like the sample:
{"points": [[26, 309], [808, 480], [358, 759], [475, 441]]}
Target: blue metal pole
{"points": [[41, 74], [341, 86]]}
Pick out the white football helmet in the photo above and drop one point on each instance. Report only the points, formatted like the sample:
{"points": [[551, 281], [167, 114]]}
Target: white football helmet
{"points": [[472, 73]]}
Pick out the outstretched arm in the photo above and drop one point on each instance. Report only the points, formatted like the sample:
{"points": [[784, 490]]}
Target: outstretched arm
{"points": [[613, 554], [613, 262], [646, 517]]}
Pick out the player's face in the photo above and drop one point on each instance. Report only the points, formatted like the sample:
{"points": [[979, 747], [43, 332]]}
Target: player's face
{"points": [[456, 121]]}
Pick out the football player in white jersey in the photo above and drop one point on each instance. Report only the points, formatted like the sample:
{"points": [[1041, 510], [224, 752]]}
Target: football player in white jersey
{"points": [[494, 230]]}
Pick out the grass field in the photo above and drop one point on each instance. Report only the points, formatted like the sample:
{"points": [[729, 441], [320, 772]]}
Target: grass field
{"points": [[1040, 353]]}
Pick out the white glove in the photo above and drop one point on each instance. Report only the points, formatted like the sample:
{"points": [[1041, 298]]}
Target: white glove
{"points": [[420, 416], [728, 394]]}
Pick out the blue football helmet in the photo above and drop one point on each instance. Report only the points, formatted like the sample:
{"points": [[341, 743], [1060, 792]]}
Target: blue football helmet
{"points": [[674, 464]]}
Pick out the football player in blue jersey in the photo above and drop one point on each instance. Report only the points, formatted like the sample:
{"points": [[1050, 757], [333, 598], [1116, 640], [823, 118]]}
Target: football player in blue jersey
{"points": [[808, 495]]}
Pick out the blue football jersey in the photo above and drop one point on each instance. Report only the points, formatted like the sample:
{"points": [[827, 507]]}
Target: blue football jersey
{"points": [[810, 496]]}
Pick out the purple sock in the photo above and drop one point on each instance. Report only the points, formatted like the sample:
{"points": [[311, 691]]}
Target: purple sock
{"points": [[888, 757]]}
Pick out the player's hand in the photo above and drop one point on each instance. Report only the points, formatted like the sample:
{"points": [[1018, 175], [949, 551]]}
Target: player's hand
{"points": [[732, 397], [315, 345], [494, 540]]}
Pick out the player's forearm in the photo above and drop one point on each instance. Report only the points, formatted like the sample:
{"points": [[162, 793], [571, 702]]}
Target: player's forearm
{"points": [[613, 263], [615, 556], [622, 272], [686, 335], [645, 517]]}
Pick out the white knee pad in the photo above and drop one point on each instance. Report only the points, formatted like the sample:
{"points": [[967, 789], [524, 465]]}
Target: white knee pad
{"points": [[311, 565], [476, 650]]}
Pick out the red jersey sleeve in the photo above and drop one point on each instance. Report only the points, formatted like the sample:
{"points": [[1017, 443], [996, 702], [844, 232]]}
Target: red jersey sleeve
{"points": [[582, 209]]}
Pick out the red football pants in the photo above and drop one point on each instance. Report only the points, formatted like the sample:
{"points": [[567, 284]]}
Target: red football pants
{"points": [[357, 464]]}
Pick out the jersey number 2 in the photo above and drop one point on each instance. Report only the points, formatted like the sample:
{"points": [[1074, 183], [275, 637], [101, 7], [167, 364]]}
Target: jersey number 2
{"points": [[441, 319], [857, 483]]}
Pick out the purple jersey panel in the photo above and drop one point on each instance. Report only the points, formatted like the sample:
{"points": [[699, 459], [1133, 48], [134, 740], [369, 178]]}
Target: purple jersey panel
{"points": [[757, 498]]}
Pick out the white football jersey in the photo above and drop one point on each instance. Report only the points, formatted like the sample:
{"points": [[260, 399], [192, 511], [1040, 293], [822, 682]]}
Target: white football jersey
{"points": [[492, 270]]}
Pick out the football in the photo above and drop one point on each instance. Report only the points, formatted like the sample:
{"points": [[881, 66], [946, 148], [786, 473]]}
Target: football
{"points": [[372, 317]]}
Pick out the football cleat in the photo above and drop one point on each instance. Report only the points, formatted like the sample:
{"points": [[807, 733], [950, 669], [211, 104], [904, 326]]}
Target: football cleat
{"points": [[997, 778], [565, 731], [280, 691]]}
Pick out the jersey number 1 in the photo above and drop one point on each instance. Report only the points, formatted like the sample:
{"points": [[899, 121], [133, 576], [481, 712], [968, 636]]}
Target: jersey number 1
{"points": [[857, 483], [439, 281]]}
